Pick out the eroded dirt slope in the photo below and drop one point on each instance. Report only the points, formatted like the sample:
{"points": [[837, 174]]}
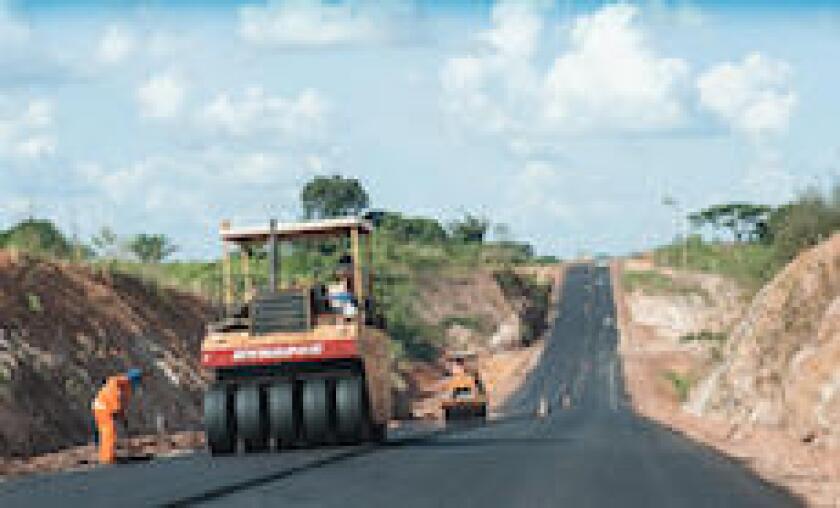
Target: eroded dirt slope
{"points": [[769, 393], [63, 328], [781, 367]]}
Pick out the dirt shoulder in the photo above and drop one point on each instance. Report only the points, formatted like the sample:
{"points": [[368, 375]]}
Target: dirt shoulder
{"points": [[662, 370]]}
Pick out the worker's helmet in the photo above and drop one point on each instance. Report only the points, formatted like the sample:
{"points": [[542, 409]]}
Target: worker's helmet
{"points": [[134, 376]]}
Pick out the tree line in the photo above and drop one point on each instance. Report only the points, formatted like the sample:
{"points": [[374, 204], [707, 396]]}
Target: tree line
{"points": [[790, 228], [322, 197]]}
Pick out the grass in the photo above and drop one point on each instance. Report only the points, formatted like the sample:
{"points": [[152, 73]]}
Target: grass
{"points": [[398, 265], [33, 302], [705, 336], [751, 265], [651, 282], [681, 383]]}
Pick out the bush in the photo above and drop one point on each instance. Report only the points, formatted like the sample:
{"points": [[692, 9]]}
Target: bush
{"points": [[681, 384], [804, 223], [749, 264], [38, 237]]}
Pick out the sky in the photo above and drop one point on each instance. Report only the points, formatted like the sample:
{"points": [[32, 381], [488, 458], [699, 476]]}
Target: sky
{"points": [[570, 122]]}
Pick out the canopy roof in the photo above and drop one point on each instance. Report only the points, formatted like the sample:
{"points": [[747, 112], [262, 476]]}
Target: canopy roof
{"points": [[325, 227]]}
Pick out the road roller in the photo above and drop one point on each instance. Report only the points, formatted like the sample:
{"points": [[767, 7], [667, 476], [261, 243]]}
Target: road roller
{"points": [[296, 359], [465, 397]]}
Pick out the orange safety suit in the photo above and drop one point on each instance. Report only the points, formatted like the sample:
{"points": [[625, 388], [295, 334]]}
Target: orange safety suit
{"points": [[109, 404]]}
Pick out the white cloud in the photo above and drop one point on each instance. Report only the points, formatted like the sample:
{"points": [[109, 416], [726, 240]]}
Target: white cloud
{"points": [[115, 45], [291, 23], [257, 112], [25, 134], [753, 97], [609, 79], [516, 29], [161, 96], [195, 183]]}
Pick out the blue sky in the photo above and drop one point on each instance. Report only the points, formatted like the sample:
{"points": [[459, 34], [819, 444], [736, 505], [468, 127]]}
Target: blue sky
{"points": [[568, 121]]}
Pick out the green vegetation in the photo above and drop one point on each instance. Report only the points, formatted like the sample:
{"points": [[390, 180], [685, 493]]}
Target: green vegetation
{"points": [[406, 251], [151, 248], [333, 196], [810, 219], [681, 383], [657, 283], [38, 237], [33, 302], [765, 238], [705, 336], [749, 264], [468, 322], [534, 296], [745, 221]]}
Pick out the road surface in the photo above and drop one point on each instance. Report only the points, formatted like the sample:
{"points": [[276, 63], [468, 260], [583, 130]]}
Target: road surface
{"points": [[594, 452]]}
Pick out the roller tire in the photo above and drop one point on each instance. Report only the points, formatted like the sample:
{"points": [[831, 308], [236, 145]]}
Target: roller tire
{"points": [[218, 421], [281, 413], [249, 422], [315, 411], [350, 409]]}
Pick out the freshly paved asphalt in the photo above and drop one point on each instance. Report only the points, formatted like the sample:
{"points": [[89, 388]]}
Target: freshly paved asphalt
{"points": [[594, 452]]}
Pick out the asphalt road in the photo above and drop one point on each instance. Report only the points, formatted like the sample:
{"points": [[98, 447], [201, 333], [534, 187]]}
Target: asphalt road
{"points": [[594, 452]]}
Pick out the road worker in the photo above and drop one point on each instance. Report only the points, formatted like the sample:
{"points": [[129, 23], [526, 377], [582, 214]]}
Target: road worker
{"points": [[109, 405]]}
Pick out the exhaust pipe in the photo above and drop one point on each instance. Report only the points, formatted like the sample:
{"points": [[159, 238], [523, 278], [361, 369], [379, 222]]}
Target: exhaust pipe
{"points": [[272, 243]]}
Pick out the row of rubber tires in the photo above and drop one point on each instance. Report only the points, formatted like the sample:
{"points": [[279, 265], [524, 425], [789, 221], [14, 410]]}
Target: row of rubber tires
{"points": [[249, 417]]}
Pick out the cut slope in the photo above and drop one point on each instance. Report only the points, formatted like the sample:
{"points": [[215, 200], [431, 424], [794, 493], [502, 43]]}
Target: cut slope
{"points": [[63, 328], [782, 364]]}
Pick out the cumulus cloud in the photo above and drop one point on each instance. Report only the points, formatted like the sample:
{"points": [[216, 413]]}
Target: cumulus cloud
{"points": [[608, 79], [256, 112], [115, 45], [516, 29], [194, 182], [754, 97], [612, 78], [161, 96], [25, 133], [289, 23]]}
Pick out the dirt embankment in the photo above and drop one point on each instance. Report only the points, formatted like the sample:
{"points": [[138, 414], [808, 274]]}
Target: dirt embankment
{"points": [[64, 328], [499, 315], [765, 390]]}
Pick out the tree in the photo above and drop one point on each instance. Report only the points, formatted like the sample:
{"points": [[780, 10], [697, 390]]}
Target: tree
{"points": [[333, 196], [470, 229], [743, 220], [412, 229], [106, 243], [37, 235], [151, 248]]}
